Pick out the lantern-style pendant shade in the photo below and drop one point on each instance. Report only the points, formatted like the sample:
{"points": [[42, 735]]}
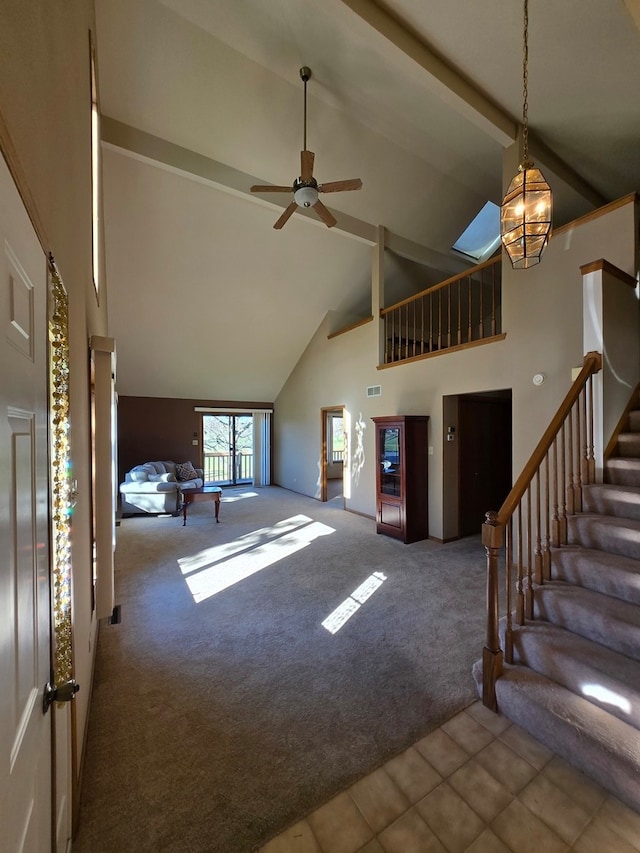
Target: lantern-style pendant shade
{"points": [[525, 217]]}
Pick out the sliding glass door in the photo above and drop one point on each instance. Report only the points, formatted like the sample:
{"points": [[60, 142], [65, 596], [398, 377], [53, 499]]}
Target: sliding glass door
{"points": [[227, 448]]}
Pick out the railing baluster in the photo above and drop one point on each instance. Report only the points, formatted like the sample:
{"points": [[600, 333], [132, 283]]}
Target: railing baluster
{"points": [[519, 570], [406, 332], [569, 483], [555, 527], [538, 553], [493, 300], [439, 319], [584, 445], [422, 325], [577, 468], [449, 316], [459, 313], [508, 645], [529, 592], [414, 328], [481, 320], [591, 459], [431, 322], [546, 561], [563, 487], [469, 330]]}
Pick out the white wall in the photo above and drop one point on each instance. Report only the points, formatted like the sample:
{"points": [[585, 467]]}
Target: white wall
{"points": [[542, 319], [45, 114]]}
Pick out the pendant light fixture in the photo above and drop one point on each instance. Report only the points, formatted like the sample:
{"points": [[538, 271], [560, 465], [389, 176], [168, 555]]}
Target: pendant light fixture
{"points": [[525, 214]]}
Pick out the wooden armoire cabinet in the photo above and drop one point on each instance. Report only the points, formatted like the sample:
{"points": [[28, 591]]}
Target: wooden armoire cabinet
{"points": [[401, 476]]}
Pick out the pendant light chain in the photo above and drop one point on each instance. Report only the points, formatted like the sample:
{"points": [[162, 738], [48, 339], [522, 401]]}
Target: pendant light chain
{"points": [[525, 84]]}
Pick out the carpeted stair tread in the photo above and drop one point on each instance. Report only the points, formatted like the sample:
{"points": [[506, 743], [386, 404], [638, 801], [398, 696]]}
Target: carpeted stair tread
{"points": [[606, 678], [605, 533], [623, 471], [610, 499], [634, 420], [629, 444], [610, 574], [594, 741], [601, 618]]}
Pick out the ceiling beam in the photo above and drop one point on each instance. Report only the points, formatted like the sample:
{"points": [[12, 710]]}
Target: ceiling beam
{"points": [[447, 83], [467, 100], [166, 155]]}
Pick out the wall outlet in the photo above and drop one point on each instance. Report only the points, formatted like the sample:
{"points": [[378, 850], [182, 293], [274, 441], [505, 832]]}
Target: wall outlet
{"points": [[431, 451]]}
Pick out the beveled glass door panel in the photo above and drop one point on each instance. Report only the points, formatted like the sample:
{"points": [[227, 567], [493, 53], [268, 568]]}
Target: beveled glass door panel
{"points": [[390, 478]]}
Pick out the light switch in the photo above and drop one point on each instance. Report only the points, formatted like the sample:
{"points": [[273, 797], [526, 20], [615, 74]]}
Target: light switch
{"points": [[194, 441]]}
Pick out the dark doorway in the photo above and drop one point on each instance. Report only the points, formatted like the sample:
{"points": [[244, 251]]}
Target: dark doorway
{"points": [[484, 444]]}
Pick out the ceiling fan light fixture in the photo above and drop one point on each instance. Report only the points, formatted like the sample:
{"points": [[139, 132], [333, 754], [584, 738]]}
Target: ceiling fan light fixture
{"points": [[306, 196]]}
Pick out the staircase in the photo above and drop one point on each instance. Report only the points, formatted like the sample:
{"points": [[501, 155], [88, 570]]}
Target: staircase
{"points": [[574, 683]]}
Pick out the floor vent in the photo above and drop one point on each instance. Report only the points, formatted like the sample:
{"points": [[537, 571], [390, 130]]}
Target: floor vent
{"points": [[374, 391]]}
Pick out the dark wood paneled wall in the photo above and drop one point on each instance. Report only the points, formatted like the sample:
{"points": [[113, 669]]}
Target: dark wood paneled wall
{"points": [[158, 428]]}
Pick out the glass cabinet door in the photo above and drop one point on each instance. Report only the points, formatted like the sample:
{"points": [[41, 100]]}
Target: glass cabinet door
{"points": [[390, 483]]}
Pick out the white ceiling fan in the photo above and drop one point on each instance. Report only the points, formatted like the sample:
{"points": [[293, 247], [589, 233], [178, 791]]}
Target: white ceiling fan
{"points": [[305, 188]]}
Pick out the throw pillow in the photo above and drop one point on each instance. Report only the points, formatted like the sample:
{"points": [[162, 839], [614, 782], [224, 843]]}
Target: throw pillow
{"points": [[186, 471]]}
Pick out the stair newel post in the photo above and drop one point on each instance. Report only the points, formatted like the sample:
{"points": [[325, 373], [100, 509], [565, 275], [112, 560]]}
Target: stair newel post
{"points": [[529, 552], [492, 539], [519, 570], [546, 559], [538, 553]]}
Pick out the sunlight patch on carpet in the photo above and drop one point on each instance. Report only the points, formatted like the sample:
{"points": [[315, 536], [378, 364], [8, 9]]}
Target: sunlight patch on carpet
{"points": [[350, 605], [607, 697], [215, 569], [229, 498]]}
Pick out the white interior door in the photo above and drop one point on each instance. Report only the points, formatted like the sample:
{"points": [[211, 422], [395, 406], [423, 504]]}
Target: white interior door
{"points": [[25, 732]]}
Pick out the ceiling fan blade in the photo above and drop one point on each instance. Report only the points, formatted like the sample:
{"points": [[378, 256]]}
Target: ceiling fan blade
{"points": [[269, 188], [287, 213], [306, 165], [327, 217], [340, 186]]}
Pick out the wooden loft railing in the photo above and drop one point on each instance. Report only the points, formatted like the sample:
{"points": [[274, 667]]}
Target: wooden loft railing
{"points": [[533, 518], [458, 311]]}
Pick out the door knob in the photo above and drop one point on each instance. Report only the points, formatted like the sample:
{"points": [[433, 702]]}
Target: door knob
{"points": [[64, 693]]}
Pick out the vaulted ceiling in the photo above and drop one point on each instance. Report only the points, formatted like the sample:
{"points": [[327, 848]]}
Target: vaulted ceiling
{"points": [[202, 98]]}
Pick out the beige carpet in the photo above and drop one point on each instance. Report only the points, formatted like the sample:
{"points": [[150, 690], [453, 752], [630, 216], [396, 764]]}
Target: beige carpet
{"points": [[223, 710]]}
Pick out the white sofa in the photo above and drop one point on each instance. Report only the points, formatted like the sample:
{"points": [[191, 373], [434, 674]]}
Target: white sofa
{"points": [[156, 487]]}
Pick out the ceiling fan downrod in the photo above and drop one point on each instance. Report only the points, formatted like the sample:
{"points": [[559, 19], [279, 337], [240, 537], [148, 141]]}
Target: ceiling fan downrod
{"points": [[305, 74]]}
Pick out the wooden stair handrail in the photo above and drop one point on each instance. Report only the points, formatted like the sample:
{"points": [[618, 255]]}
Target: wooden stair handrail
{"points": [[467, 274], [497, 524], [592, 364]]}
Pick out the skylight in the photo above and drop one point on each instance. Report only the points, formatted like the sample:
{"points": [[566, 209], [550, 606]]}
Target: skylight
{"points": [[481, 237]]}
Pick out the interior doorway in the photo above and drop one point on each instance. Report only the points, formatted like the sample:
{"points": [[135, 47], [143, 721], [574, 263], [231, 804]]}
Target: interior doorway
{"points": [[477, 458], [332, 455]]}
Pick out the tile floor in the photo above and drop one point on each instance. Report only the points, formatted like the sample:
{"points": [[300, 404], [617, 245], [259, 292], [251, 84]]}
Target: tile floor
{"points": [[478, 784]]}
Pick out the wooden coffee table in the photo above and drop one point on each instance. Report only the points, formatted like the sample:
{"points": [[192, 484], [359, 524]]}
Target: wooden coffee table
{"points": [[204, 493]]}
